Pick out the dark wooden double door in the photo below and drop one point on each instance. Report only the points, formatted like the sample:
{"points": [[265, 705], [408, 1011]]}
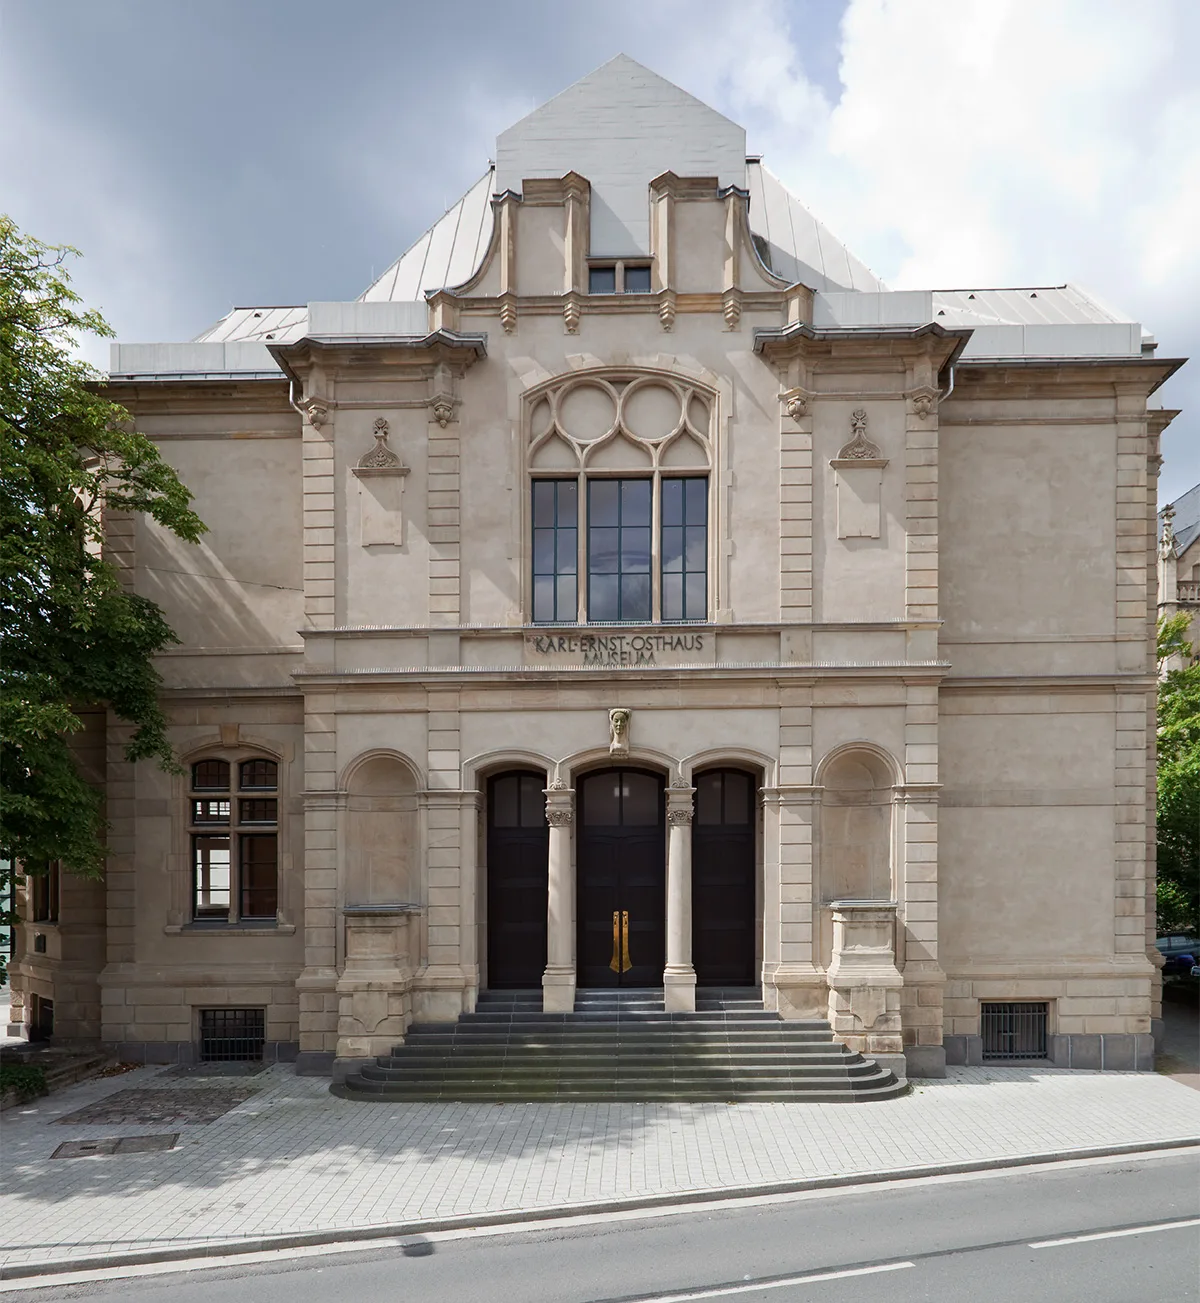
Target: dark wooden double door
{"points": [[621, 850], [621, 862]]}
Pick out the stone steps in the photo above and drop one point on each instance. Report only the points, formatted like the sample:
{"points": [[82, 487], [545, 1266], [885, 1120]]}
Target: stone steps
{"points": [[621, 1045]]}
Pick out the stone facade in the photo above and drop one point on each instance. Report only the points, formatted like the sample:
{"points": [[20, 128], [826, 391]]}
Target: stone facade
{"points": [[928, 600]]}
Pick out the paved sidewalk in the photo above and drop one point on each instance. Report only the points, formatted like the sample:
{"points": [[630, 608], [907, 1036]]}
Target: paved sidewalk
{"points": [[290, 1157]]}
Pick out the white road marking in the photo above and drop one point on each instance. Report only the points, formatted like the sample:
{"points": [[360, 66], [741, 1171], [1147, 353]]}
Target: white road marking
{"points": [[232, 1258], [756, 1287], [1115, 1235]]}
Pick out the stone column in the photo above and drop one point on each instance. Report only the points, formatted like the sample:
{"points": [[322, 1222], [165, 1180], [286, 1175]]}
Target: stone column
{"points": [[558, 981], [679, 977]]}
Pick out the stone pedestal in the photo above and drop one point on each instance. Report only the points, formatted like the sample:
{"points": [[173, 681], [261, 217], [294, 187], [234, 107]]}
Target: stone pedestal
{"points": [[864, 983], [375, 987], [679, 976], [558, 980]]}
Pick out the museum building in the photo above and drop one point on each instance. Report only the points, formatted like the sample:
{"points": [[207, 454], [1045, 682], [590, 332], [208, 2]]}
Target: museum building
{"points": [[629, 592]]}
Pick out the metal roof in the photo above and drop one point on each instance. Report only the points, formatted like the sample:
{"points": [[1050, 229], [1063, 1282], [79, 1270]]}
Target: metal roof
{"points": [[800, 248], [277, 325], [446, 255]]}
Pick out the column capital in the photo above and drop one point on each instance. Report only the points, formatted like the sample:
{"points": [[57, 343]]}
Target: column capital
{"points": [[679, 804], [560, 804]]}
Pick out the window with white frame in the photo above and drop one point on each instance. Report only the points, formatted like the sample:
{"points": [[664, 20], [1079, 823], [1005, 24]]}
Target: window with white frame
{"points": [[620, 506], [233, 824]]}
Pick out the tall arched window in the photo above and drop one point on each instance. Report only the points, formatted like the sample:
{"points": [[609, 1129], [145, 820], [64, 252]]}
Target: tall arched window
{"points": [[622, 520], [233, 819]]}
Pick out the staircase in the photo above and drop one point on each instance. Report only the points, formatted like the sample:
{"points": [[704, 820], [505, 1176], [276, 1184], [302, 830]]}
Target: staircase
{"points": [[621, 1045]]}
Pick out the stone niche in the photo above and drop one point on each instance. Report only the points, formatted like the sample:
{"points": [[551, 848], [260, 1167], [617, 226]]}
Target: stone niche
{"points": [[381, 911]]}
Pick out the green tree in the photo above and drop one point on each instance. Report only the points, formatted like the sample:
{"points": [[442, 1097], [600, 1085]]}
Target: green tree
{"points": [[1178, 781], [71, 636]]}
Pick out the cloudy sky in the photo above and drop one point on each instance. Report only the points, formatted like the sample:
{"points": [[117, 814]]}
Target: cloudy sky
{"points": [[207, 153]]}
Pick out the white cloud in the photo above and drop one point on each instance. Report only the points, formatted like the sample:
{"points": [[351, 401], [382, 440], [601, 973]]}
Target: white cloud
{"points": [[998, 142]]}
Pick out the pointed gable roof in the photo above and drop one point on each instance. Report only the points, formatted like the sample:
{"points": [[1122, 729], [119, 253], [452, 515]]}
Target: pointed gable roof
{"points": [[620, 127]]}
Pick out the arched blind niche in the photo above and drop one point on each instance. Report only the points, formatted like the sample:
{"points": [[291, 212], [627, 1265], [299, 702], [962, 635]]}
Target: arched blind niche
{"points": [[381, 834], [855, 850]]}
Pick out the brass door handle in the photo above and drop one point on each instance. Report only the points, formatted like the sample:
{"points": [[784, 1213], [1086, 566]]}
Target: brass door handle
{"points": [[620, 961]]}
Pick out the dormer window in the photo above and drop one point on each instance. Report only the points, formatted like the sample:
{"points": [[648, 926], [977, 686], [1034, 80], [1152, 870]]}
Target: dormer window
{"points": [[619, 278]]}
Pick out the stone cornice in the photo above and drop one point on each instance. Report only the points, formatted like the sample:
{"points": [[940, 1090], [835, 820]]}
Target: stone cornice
{"points": [[786, 343], [439, 347], [1036, 376]]}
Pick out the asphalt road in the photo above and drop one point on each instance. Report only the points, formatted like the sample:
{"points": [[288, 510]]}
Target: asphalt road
{"points": [[993, 1238]]}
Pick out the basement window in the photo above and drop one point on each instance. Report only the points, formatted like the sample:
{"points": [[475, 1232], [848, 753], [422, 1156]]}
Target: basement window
{"points": [[1013, 1030], [232, 1035]]}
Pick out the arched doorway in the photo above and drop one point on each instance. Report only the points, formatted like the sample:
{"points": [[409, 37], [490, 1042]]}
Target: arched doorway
{"points": [[723, 878], [622, 879], [517, 851]]}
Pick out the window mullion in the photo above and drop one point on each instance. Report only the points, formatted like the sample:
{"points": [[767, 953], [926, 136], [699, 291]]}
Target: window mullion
{"points": [[235, 852], [656, 549], [582, 525]]}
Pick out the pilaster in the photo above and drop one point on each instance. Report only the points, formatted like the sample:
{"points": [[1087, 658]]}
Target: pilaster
{"points": [[443, 523], [319, 511], [921, 499], [323, 806], [796, 507]]}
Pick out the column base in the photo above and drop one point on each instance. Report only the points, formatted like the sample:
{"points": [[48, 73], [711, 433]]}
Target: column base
{"points": [[679, 989], [558, 990]]}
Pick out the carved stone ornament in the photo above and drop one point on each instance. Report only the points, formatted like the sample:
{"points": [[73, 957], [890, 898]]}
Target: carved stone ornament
{"points": [[797, 406], [666, 311], [443, 411], [571, 315], [508, 316], [679, 783], [618, 732], [556, 785], [381, 457], [317, 412], [732, 309], [678, 814], [559, 818], [860, 448], [1166, 545], [923, 404]]}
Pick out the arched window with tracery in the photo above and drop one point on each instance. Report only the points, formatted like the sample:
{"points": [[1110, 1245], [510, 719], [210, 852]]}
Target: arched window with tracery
{"points": [[621, 510], [233, 822]]}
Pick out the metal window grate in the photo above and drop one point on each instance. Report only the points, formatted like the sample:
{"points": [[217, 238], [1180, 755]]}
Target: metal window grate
{"points": [[232, 1035], [1014, 1031]]}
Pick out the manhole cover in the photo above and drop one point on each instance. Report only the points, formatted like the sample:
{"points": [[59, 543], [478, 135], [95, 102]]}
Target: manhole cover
{"points": [[145, 1107], [123, 1145]]}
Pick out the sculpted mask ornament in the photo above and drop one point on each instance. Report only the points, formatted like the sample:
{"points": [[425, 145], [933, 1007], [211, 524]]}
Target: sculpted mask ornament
{"points": [[923, 405], [797, 406], [317, 412], [443, 412], [618, 732]]}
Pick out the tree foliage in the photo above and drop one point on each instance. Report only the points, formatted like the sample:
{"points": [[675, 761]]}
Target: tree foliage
{"points": [[1178, 780], [71, 636]]}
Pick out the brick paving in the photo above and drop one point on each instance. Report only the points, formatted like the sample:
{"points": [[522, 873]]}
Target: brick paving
{"points": [[291, 1157]]}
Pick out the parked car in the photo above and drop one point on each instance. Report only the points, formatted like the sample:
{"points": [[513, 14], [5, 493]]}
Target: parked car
{"points": [[1179, 953], [1196, 970]]}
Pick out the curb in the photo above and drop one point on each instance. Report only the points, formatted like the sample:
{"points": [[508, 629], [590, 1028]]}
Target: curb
{"points": [[516, 1217]]}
